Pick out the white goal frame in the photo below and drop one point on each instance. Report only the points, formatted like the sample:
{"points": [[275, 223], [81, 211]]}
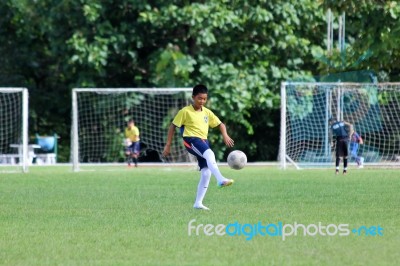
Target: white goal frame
{"points": [[75, 149], [334, 109], [22, 154]]}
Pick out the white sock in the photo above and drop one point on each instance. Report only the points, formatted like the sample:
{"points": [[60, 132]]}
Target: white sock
{"points": [[212, 165], [203, 185]]}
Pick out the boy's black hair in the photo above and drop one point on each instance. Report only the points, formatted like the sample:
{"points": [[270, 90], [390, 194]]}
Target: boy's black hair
{"points": [[200, 88]]}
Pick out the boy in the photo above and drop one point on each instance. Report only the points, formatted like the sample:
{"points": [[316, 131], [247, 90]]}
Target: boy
{"points": [[342, 140], [132, 141], [194, 121], [355, 142]]}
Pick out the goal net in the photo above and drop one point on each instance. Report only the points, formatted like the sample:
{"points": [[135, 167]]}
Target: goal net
{"points": [[13, 130], [373, 109], [100, 117]]}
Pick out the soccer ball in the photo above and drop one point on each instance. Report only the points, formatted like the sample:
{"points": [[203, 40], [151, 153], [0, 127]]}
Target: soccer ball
{"points": [[127, 142], [237, 159]]}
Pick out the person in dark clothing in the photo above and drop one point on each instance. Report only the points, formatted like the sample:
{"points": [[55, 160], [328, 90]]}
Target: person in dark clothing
{"points": [[340, 131]]}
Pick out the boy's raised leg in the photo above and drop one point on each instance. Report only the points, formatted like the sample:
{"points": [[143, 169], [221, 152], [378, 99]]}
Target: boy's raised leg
{"points": [[212, 165]]}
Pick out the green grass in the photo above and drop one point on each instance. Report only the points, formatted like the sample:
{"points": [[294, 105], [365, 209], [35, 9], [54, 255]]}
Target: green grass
{"points": [[121, 216]]}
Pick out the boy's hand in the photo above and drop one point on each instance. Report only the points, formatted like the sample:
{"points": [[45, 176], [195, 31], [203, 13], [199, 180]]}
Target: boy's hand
{"points": [[228, 141], [167, 150]]}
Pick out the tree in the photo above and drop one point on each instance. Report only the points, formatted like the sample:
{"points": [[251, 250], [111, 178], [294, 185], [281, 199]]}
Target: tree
{"points": [[241, 49], [372, 36]]}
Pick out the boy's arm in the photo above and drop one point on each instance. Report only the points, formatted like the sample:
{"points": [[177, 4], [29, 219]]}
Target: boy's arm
{"points": [[228, 141], [349, 128], [347, 123], [361, 140], [137, 134], [171, 132], [127, 140], [330, 136]]}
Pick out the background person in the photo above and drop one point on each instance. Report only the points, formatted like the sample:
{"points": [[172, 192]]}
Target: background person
{"points": [[355, 142], [132, 142], [341, 135]]}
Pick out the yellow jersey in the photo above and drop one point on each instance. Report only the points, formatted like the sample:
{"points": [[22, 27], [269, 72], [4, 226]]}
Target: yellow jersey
{"points": [[132, 133], [196, 123]]}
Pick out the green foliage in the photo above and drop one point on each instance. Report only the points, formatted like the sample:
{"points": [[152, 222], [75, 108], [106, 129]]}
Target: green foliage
{"points": [[372, 38], [241, 49], [300, 103], [171, 67]]}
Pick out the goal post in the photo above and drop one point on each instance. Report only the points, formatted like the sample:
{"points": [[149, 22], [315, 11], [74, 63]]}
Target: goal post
{"points": [[14, 129], [372, 108], [100, 115]]}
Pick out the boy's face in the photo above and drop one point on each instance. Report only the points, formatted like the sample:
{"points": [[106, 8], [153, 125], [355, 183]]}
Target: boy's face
{"points": [[131, 124], [199, 100]]}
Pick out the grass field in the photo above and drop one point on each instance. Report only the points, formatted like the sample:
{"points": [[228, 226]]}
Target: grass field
{"points": [[128, 216]]}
